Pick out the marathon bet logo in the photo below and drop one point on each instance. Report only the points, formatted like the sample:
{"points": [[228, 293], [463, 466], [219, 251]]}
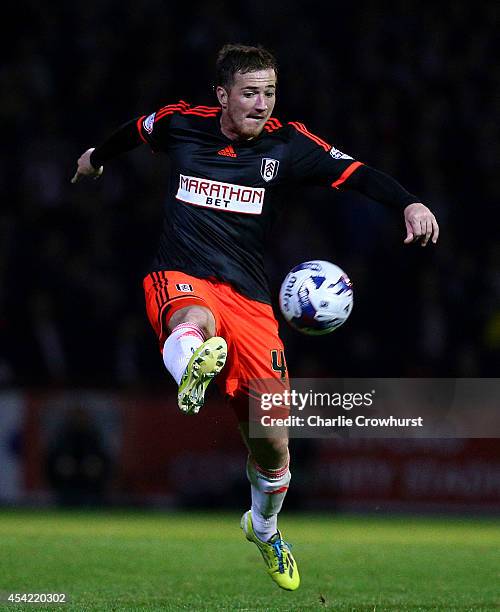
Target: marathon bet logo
{"points": [[148, 123], [269, 168], [222, 197]]}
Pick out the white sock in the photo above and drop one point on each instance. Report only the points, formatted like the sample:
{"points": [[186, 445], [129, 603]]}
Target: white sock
{"points": [[269, 488], [180, 346]]}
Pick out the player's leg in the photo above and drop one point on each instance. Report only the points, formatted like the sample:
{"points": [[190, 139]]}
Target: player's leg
{"points": [[269, 475], [200, 316], [260, 357], [193, 354], [188, 328], [182, 314]]}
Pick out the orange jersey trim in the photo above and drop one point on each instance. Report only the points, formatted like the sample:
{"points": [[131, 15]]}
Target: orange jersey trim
{"points": [[346, 174], [206, 108], [181, 104], [138, 124], [167, 110], [300, 127], [273, 124], [185, 109], [200, 113]]}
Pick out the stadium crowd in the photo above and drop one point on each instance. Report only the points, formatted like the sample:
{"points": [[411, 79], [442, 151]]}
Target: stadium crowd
{"points": [[410, 91]]}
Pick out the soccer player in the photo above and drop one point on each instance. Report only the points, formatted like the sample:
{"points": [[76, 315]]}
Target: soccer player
{"points": [[207, 296]]}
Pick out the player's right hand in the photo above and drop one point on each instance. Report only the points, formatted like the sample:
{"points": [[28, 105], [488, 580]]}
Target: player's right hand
{"points": [[85, 168], [421, 224]]}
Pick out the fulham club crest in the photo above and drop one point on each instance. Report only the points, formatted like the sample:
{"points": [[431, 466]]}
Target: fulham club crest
{"points": [[269, 168]]}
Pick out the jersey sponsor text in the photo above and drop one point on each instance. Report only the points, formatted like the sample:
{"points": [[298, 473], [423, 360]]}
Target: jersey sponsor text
{"points": [[220, 196]]}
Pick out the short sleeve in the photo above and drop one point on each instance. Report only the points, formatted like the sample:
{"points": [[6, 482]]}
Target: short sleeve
{"points": [[316, 161]]}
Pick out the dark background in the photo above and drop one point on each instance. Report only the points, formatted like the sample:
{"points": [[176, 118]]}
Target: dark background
{"points": [[409, 89]]}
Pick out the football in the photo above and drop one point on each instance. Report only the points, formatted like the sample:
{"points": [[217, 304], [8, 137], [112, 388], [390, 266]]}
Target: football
{"points": [[316, 297]]}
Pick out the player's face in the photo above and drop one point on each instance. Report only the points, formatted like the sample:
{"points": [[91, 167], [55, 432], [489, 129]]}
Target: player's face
{"points": [[248, 104]]}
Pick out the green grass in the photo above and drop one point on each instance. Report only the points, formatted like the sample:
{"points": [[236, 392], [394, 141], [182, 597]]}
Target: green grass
{"points": [[156, 561]]}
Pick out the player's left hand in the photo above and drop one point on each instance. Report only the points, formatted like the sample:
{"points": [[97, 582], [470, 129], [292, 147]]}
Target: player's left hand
{"points": [[420, 224], [85, 168]]}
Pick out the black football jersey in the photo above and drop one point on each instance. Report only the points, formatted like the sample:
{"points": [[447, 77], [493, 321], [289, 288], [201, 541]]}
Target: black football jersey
{"points": [[222, 193]]}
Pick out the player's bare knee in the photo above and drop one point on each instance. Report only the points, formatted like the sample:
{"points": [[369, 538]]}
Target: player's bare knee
{"points": [[199, 315], [279, 448], [272, 453]]}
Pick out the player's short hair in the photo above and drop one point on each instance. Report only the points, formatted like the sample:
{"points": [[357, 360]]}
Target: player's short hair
{"points": [[241, 58]]}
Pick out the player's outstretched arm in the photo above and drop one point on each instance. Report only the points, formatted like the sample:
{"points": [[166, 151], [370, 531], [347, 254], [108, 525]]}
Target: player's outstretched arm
{"points": [[90, 164], [85, 168], [420, 224]]}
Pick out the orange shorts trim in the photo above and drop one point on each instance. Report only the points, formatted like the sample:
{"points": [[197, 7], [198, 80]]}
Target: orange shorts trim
{"points": [[255, 350], [167, 294]]}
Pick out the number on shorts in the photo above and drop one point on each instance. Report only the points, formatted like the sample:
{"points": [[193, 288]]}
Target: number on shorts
{"points": [[278, 362]]}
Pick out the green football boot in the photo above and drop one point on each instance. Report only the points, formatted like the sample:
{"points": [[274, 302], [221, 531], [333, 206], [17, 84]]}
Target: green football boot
{"points": [[207, 361], [281, 565]]}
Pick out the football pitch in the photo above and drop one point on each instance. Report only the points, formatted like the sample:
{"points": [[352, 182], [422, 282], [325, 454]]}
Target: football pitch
{"points": [[187, 561]]}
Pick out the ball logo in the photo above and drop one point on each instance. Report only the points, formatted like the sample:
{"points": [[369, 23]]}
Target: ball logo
{"points": [[185, 287], [287, 291], [269, 168]]}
